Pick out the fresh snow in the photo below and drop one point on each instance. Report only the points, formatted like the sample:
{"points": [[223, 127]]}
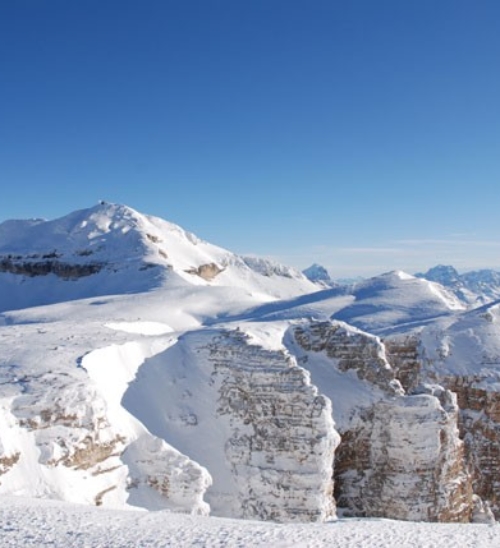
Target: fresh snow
{"points": [[42, 523], [110, 345]]}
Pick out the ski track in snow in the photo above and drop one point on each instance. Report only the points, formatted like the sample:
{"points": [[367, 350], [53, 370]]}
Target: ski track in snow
{"points": [[29, 522]]}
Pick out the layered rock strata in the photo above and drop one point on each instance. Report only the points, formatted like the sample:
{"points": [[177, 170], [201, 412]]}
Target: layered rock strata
{"points": [[270, 433], [406, 462], [61, 269], [400, 456], [282, 442], [64, 428], [430, 357]]}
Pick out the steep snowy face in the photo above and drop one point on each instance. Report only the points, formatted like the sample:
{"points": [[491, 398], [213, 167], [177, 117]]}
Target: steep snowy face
{"points": [[248, 414], [394, 299], [112, 249]]}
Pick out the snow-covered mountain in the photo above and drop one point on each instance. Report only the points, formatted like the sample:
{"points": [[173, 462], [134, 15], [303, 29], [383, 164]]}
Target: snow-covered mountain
{"points": [[397, 298], [473, 288], [142, 367], [317, 273], [112, 249]]}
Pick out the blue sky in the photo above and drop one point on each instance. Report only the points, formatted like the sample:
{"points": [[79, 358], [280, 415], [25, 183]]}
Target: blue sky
{"points": [[361, 134]]}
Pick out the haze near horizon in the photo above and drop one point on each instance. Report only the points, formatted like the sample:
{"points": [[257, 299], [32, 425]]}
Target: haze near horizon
{"points": [[358, 135]]}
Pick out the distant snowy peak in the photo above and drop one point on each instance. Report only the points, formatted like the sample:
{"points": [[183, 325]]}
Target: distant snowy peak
{"points": [[444, 274], [317, 273], [474, 288]]}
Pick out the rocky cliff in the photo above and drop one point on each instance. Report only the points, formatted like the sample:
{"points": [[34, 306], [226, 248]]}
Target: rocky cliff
{"points": [[252, 418], [463, 357], [401, 455]]}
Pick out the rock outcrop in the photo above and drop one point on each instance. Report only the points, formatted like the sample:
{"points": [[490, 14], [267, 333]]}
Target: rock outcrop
{"points": [[62, 426], [400, 456], [270, 433], [206, 271], [33, 267], [406, 462], [282, 442], [480, 429]]}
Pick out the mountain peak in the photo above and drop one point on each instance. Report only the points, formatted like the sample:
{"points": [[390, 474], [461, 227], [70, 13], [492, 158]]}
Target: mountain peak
{"points": [[317, 273], [443, 274], [112, 248]]}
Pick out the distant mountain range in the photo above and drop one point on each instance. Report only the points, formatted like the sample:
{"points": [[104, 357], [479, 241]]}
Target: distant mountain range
{"points": [[473, 288], [141, 366]]}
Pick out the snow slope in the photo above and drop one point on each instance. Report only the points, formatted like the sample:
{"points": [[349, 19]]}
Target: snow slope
{"points": [[395, 299], [112, 249]]}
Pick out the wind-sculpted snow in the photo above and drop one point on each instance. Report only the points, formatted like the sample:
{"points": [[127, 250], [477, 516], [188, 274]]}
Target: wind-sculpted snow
{"points": [[152, 463], [250, 416], [65, 435]]}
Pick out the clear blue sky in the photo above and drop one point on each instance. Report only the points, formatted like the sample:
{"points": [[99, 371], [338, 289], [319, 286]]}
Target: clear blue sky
{"points": [[361, 134]]}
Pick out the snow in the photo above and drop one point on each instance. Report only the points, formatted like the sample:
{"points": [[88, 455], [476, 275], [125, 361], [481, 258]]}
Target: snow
{"points": [[141, 328], [39, 523], [396, 299], [123, 348]]}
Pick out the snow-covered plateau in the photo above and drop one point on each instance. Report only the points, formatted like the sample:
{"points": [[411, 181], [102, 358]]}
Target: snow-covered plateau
{"points": [[193, 394]]}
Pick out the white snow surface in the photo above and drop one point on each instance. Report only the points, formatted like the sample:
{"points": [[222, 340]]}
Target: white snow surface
{"points": [[99, 345], [132, 253], [39, 523], [395, 300]]}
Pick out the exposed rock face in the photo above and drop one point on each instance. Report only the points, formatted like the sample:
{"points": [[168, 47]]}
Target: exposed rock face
{"points": [[72, 434], [353, 349], [472, 374], [400, 456], [206, 271], [403, 354], [480, 429], [406, 462], [282, 441], [178, 480], [34, 267], [7, 461], [273, 439]]}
